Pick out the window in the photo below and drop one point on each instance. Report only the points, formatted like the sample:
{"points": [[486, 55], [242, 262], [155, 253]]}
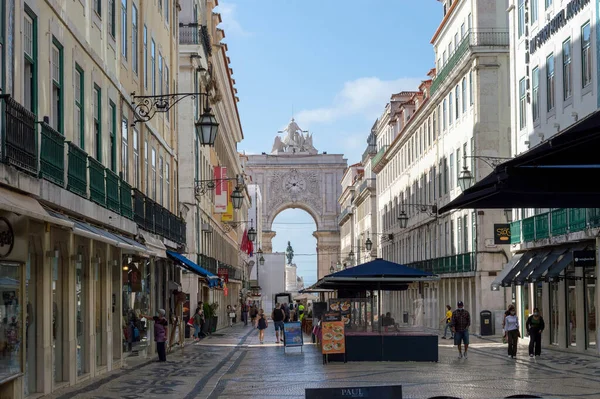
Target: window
{"points": [[456, 40], [534, 10], [145, 57], [444, 114], [465, 234], [160, 73], [567, 86], [521, 23], [79, 107], [161, 178], [435, 114], [459, 234], [469, 22], [535, 101], [445, 57], [57, 86], [168, 184], [146, 169], [97, 123], [464, 95], [124, 149], [113, 136], [457, 106], [124, 28], [30, 60], [167, 87], [153, 65], [548, 3], [586, 56], [134, 38], [153, 174], [452, 242], [462, 30], [471, 87], [167, 11], [97, 6], [550, 82], [136, 158], [522, 103], [112, 23], [451, 169], [12, 336], [457, 165], [446, 176], [450, 102]]}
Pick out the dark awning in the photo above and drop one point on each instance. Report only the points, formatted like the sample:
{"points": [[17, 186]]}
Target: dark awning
{"points": [[551, 259], [495, 286], [535, 262], [561, 265], [507, 281], [212, 279], [550, 175]]}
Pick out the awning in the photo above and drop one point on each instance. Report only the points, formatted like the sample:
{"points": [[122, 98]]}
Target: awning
{"points": [[545, 265], [155, 246], [95, 233], [565, 261], [537, 259], [25, 205], [213, 280], [497, 283], [507, 280], [543, 176]]}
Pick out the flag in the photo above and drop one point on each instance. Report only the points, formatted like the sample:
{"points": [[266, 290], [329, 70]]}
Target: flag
{"points": [[244, 245], [250, 248]]}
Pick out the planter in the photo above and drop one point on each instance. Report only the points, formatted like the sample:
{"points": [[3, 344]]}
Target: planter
{"points": [[213, 323]]}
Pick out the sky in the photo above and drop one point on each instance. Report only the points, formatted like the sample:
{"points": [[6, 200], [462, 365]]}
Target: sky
{"points": [[330, 64]]}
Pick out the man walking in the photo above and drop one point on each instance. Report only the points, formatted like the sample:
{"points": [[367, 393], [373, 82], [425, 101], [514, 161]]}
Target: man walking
{"points": [[278, 316], [461, 321]]}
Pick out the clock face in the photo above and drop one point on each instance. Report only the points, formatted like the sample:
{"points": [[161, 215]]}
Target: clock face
{"points": [[293, 184]]}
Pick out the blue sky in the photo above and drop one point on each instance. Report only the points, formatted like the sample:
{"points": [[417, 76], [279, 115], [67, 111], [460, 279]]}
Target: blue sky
{"points": [[334, 64]]}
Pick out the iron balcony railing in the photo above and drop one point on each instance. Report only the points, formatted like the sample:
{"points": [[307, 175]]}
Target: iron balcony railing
{"points": [[378, 157], [153, 217], [52, 155], [189, 33], [19, 136], [461, 263], [97, 181], [366, 183], [554, 223], [474, 38], [346, 212], [126, 200], [371, 150], [206, 43], [113, 201], [77, 170], [139, 213]]}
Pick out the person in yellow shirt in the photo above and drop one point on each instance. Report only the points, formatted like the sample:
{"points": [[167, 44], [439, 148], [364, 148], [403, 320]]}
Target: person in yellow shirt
{"points": [[447, 320]]}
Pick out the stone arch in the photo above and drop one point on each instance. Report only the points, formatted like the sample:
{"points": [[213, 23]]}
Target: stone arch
{"points": [[272, 215]]}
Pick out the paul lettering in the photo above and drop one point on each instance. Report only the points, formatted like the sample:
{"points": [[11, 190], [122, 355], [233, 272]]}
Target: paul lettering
{"points": [[352, 392]]}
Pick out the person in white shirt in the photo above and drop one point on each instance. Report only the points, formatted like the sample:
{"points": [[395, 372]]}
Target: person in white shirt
{"points": [[511, 326]]}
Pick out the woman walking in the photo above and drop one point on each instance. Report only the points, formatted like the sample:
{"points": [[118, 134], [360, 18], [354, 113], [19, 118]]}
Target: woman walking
{"points": [[161, 330], [197, 324], [535, 326], [230, 315], [511, 326], [262, 325]]}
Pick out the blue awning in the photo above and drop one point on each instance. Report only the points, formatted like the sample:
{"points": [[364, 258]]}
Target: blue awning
{"points": [[212, 279]]}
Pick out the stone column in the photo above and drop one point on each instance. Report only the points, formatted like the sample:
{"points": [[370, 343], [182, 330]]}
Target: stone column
{"points": [[267, 241], [328, 248]]}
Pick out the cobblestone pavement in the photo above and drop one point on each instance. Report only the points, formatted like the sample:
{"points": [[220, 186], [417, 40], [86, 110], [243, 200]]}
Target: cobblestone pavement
{"points": [[233, 364]]}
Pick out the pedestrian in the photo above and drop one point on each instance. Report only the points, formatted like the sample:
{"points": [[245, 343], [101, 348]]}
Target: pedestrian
{"points": [[161, 332], [253, 315], [278, 316], [461, 321], [262, 325], [200, 310], [535, 326], [511, 307], [197, 318], [447, 319], [230, 315], [511, 326], [245, 313]]}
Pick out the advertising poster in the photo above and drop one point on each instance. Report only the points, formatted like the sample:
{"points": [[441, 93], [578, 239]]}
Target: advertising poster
{"points": [[333, 339], [228, 215], [344, 306], [293, 334], [220, 189]]}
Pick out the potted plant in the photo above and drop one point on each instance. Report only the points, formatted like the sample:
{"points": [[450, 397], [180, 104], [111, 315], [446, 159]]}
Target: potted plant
{"points": [[210, 315]]}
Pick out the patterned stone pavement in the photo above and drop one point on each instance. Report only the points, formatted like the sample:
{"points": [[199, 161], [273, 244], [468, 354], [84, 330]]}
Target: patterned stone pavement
{"points": [[233, 364]]}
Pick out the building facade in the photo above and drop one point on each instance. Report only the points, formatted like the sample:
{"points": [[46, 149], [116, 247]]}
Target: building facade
{"points": [[554, 82], [89, 191], [457, 120], [347, 256]]}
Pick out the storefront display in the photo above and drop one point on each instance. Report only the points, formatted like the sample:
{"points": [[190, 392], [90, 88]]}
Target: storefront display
{"points": [[136, 302], [589, 278], [11, 334], [81, 296]]}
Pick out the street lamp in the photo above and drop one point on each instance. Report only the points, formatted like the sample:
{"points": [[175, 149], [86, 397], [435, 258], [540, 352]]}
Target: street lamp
{"points": [[331, 269], [403, 219], [207, 128], [261, 260], [338, 265], [369, 244], [508, 214], [252, 234], [237, 198], [465, 180]]}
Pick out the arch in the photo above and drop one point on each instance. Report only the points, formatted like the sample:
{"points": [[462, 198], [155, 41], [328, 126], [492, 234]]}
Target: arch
{"points": [[271, 216]]}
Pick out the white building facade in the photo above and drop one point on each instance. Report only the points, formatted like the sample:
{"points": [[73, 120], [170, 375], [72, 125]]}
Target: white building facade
{"points": [[554, 81], [457, 119]]}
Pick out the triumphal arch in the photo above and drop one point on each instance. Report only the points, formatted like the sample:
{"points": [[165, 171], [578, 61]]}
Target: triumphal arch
{"points": [[295, 175]]}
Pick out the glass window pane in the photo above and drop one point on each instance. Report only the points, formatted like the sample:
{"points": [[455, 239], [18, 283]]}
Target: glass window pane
{"points": [[11, 335]]}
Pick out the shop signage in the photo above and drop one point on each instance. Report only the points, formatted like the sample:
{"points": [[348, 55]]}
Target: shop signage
{"points": [[7, 238], [560, 19], [223, 274], [584, 258], [333, 340], [292, 333], [385, 392], [502, 234], [332, 316]]}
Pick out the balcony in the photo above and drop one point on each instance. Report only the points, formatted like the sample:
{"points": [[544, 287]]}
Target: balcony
{"points": [[18, 136], [369, 152], [366, 184], [97, 182], [125, 203], [378, 158], [345, 213], [554, 223], [473, 39], [52, 155], [462, 263], [77, 170], [195, 34], [152, 217]]}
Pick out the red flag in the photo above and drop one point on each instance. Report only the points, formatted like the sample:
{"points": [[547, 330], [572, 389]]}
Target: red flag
{"points": [[250, 248], [244, 245]]}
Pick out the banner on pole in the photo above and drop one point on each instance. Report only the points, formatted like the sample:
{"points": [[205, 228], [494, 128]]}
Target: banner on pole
{"points": [[220, 189], [227, 216]]}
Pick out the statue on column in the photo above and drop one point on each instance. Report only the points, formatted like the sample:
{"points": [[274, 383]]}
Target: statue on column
{"points": [[289, 253], [295, 140]]}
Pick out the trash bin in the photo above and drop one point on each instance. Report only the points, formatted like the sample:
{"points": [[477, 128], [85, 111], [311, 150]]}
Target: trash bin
{"points": [[487, 323], [405, 317]]}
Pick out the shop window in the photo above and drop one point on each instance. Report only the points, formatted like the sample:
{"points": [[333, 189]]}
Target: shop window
{"points": [[81, 310], [571, 305], [526, 309], [11, 333], [32, 299], [100, 310], [589, 278], [60, 306], [554, 313], [136, 302]]}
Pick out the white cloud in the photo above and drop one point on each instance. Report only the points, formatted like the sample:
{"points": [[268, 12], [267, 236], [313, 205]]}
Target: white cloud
{"points": [[364, 97], [230, 24]]}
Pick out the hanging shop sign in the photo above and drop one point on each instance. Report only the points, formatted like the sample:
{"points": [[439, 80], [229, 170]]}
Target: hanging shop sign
{"points": [[584, 258], [7, 238], [502, 234], [556, 23], [223, 274]]}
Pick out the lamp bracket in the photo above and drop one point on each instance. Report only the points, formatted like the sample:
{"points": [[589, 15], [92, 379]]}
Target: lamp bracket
{"points": [[145, 107], [204, 186], [492, 162]]}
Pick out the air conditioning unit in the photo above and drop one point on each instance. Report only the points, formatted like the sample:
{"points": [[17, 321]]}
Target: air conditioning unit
{"points": [[207, 228]]}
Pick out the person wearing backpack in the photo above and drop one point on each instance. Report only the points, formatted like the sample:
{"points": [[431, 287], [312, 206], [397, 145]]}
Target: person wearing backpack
{"points": [[262, 325], [278, 316]]}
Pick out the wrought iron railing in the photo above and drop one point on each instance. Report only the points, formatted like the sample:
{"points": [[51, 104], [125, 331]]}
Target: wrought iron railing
{"points": [[112, 191], [554, 223], [189, 33], [19, 136], [126, 199], [473, 38], [461, 263], [371, 150], [97, 181], [139, 213], [206, 43], [378, 157], [77, 170], [52, 155]]}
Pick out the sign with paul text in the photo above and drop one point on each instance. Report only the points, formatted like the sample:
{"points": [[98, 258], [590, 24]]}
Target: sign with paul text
{"points": [[584, 258], [502, 234], [333, 339], [385, 392]]}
